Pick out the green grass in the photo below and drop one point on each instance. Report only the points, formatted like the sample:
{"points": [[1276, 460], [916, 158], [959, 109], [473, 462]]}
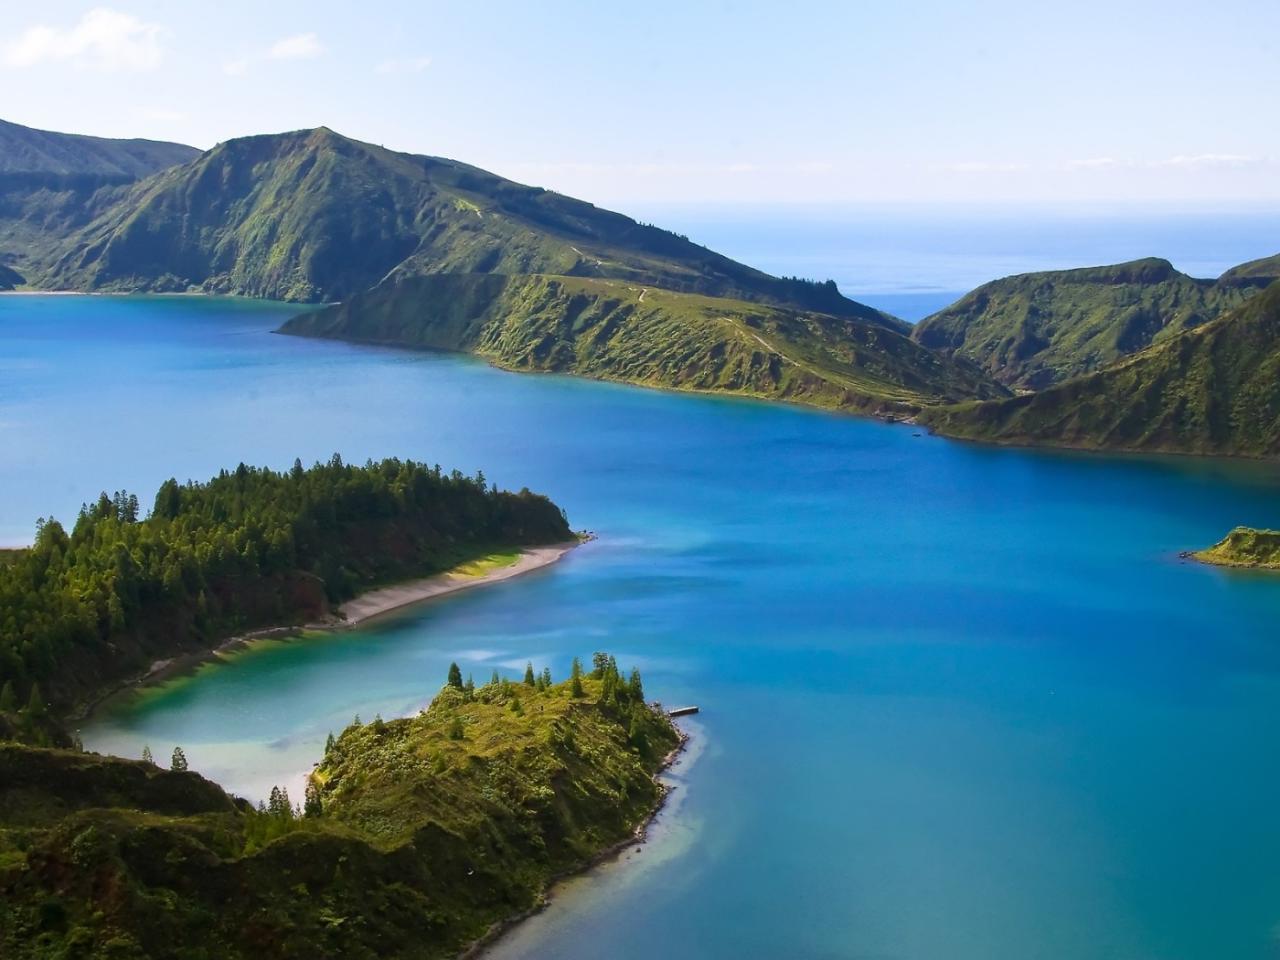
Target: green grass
{"points": [[615, 330], [1213, 390], [1244, 547], [488, 563], [426, 839], [1038, 329]]}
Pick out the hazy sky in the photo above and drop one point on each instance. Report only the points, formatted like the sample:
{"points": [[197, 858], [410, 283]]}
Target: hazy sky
{"points": [[657, 102]]}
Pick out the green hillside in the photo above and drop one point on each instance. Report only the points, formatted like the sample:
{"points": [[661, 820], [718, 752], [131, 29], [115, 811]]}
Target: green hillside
{"points": [[1211, 390], [24, 150], [1037, 329], [419, 835], [617, 330], [1244, 547], [314, 216], [52, 184], [1254, 272]]}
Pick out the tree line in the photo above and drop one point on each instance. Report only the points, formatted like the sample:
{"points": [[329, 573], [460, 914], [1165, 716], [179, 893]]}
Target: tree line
{"points": [[251, 547]]}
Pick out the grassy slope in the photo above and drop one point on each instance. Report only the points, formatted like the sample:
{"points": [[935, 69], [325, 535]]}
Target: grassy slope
{"points": [[1264, 270], [621, 331], [315, 216], [26, 150], [1212, 390], [1244, 547], [425, 842], [1034, 330], [52, 184]]}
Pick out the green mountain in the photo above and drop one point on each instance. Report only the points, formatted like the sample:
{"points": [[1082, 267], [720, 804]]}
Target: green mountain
{"points": [[418, 836], [1037, 329], [314, 216], [1254, 272], [24, 150], [619, 330], [1211, 390], [52, 184], [427, 252]]}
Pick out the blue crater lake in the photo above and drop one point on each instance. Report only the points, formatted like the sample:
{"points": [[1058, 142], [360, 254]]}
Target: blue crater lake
{"points": [[958, 702]]}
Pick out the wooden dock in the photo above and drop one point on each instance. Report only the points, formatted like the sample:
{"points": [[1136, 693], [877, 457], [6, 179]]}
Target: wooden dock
{"points": [[682, 711]]}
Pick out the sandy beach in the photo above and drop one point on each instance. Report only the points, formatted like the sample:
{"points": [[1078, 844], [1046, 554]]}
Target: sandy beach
{"points": [[375, 603]]}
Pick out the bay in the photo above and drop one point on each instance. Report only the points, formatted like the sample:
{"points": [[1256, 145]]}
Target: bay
{"points": [[957, 701]]}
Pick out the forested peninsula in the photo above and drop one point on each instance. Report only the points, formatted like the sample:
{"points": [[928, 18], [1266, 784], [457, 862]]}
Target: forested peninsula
{"points": [[84, 609], [416, 836]]}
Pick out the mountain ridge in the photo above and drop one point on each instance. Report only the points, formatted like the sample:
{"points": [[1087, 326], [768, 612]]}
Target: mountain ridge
{"points": [[1213, 390], [314, 216], [1033, 330]]}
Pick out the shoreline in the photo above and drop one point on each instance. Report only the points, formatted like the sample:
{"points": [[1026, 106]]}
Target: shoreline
{"points": [[378, 602], [384, 600], [1198, 556], [478, 947]]}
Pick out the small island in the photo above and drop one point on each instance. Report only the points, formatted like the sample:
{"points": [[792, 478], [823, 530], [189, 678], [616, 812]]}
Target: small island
{"points": [[1244, 547], [417, 837]]}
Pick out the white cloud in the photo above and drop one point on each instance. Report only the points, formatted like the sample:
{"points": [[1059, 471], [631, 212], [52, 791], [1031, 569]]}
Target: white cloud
{"points": [[1097, 163], [1208, 160], [304, 46], [987, 166], [409, 65], [103, 39]]}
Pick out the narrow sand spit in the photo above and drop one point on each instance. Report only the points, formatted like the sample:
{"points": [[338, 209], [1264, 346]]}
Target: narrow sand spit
{"points": [[374, 603]]}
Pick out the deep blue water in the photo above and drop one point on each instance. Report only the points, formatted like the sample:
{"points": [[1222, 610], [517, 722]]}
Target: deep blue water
{"points": [[957, 702]]}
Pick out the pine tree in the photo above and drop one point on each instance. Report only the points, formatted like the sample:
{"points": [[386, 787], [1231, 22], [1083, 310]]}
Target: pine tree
{"points": [[35, 703], [456, 730], [328, 744], [494, 679], [529, 679], [635, 688], [146, 755], [455, 676], [546, 677], [8, 698], [516, 707], [469, 689], [378, 725], [179, 760], [599, 662], [311, 805], [575, 678]]}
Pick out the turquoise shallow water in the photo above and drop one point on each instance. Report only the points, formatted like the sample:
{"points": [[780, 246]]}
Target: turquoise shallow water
{"points": [[958, 702]]}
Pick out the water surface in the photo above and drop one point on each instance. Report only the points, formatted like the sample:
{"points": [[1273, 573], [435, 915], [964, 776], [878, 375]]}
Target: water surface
{"points": [[957, 702]]}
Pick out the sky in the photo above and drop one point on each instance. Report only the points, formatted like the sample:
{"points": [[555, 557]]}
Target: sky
{"points": [[1125, 101]]}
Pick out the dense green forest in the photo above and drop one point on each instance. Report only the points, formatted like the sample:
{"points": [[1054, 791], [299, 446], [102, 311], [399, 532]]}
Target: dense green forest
{"points": [[84, 608], [415, 837]]}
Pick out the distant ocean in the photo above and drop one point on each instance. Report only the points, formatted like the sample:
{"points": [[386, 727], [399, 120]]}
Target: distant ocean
{"points": [[912, 261]]}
